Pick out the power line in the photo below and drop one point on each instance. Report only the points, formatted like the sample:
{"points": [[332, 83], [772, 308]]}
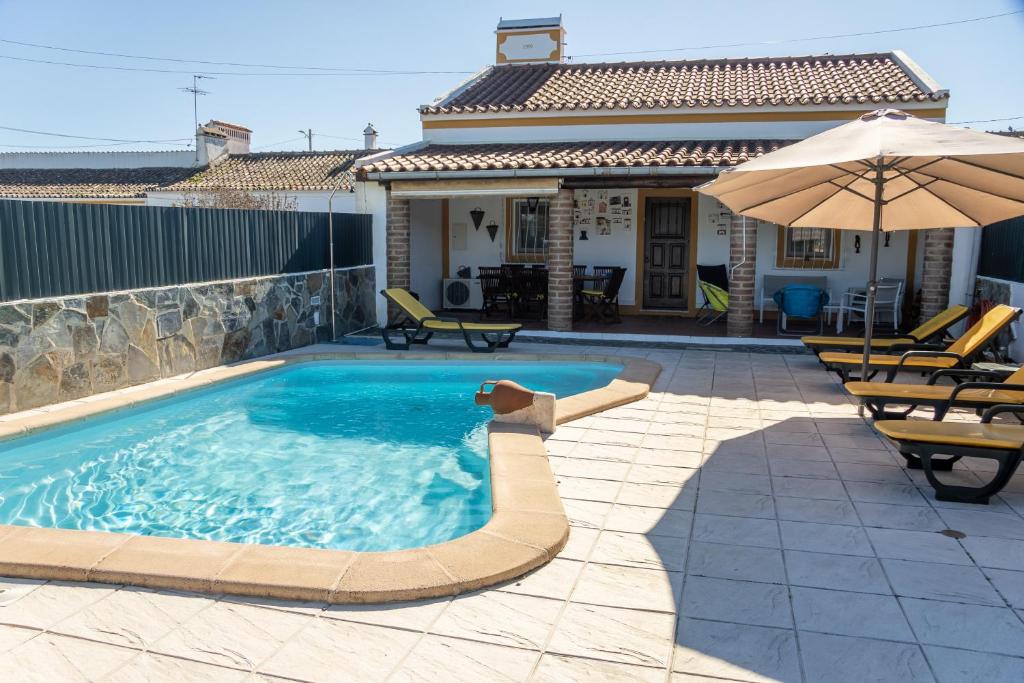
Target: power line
{"points": [[282, 142], [216, 63], [226, 73], [803, 40], [85, 137], [112, 144], [1008, 118]]}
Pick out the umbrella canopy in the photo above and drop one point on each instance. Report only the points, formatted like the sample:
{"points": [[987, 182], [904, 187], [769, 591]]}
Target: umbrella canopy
{"points": [[885, 171]]}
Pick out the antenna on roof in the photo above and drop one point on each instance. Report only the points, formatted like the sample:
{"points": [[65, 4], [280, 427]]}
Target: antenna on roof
{"points": [[196, 92]]}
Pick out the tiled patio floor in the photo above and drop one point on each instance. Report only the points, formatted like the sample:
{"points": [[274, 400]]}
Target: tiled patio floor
{"points": [[741, 523]]}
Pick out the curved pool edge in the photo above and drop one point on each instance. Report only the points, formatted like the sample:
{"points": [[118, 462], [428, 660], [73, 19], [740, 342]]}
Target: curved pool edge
{"points": [[528, 526]]}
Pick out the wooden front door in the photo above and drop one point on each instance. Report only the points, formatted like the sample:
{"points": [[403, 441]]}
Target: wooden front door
{"points": [[666, 253]]}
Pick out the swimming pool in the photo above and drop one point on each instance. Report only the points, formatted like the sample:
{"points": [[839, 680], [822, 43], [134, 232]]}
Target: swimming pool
{"points": [[368, 455]]}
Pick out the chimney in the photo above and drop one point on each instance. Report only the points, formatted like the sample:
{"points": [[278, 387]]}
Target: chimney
{"points": [[238, 137], [530, 41], [369, 137]]}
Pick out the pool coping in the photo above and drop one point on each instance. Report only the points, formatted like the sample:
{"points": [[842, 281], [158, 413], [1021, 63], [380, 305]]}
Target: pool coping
{"points": [[527, 529]]}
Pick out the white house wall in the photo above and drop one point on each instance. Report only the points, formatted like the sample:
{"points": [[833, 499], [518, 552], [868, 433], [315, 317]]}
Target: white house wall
{"points": [[479, 249], [426, 255], [617, 249], [371, 198]]}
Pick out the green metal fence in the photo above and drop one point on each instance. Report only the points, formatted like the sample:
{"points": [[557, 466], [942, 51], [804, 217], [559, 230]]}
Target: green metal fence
{"points": [[1002, 250], [56, 249]]}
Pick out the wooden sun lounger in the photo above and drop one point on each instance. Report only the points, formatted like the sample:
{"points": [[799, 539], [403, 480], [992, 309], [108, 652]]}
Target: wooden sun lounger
{"points": [[930, 331], [921, 442], [959, 354], [419, 324]]}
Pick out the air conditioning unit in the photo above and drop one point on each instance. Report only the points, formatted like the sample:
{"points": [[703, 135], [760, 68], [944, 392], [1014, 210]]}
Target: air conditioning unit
{"points": [[461, 293]]}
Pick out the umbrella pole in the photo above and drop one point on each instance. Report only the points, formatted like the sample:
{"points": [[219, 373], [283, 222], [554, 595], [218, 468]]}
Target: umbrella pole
{"points": [[869, 308]]}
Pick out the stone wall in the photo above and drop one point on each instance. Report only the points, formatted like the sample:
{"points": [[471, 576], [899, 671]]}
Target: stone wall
{"points": [[54, 350]]}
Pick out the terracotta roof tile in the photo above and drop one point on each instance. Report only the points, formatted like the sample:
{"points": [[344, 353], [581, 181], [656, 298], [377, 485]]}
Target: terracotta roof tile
{"points": [[270, 171], [814, 80], [563, 155], [86, 183]]}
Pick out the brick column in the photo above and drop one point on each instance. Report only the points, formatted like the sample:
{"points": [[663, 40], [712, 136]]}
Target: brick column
{"points": [[937, 268], [740, 321], [397, 232], [559, 262]]}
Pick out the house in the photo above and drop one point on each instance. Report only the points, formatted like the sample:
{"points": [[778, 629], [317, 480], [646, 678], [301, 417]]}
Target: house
{"points": [[222, 171], [595, 163], [113, 177]]}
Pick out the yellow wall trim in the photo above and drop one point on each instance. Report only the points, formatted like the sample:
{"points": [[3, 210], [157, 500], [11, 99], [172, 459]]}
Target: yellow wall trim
{"points": [[605, 120]]}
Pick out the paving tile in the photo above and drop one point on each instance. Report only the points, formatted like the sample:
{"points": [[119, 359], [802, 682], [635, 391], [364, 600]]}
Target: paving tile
{"points": [[920, 546], [554, 580], [743, 563], [12, 590], [1009, 584], [736, 651], [763, 533], [995, 553], [932, 581], [412, 616], [586, 513], [736, 504], [133, 617], [788, 467], [736, 463], [815, 510], [758, 604], [641, 520], [51, 604], [972, 627], [154, 668], [990, 524], [652, 495], [600, 490], [834, 538], [813, 457], [436, 658], [562, 669], [500, 618], [580, 544], [589, 469], [956, 666], [837, 572], [51, 657], [232, 634], [849, 614], [876, 492], [13, 636], [612, 634], [798, 487], [640, 550], [331, 649], [732, 481], [910, 517], [630, 587], [844, 659], [598, 451]]}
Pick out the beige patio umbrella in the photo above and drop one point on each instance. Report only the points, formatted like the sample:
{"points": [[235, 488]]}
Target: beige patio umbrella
{"points": [[884, 171]]}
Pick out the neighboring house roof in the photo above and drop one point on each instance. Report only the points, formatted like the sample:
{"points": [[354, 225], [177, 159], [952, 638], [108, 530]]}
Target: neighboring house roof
{"points": [[276, 171], [815, 80], [1008, 133], [86, 183], [225, 124], [565, 155]]}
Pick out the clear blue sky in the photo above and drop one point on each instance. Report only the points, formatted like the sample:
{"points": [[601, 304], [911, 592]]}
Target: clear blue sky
{"points": [[979, 62]]}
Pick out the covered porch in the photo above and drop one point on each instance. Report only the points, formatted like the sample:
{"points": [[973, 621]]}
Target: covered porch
{"points": [[644, 216]]}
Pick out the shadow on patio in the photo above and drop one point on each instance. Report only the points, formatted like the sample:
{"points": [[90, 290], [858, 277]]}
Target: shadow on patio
{"points": [[747, 497]]}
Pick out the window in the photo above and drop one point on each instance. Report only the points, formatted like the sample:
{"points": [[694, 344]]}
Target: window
{"points": [[816, 248], [529, 230]]}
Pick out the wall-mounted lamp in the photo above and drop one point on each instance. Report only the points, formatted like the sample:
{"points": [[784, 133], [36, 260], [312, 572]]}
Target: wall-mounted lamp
{"points": [[477, 215], [583, 236], [856, 243], [492, 230], [531, 203], [887, 236]]}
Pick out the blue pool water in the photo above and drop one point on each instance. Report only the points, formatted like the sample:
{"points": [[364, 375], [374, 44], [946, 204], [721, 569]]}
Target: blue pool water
{"points": [[354, 455]]}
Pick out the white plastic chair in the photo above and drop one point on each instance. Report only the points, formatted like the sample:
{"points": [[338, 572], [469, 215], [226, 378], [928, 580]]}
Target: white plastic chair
{"points": [[887, 300]]}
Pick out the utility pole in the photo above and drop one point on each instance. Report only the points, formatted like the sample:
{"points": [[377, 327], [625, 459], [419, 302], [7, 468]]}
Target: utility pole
{"points": [[308, 134], [196, 92]]}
